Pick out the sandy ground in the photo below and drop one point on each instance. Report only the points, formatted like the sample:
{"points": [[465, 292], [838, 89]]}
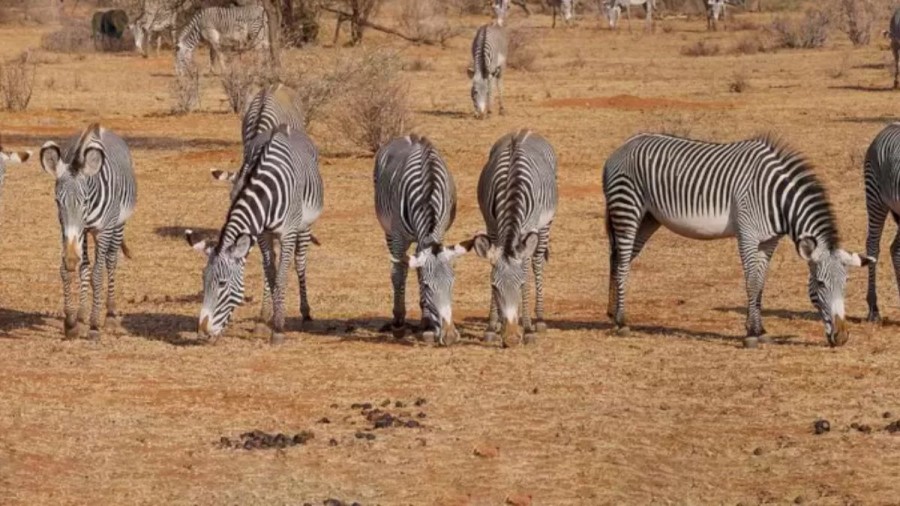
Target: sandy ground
{"points": [[675, 413]]}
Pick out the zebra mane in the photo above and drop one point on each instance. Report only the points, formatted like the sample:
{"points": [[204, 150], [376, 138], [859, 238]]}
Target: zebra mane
{"points": [[509, 230], [803, 169], [430, 183]]}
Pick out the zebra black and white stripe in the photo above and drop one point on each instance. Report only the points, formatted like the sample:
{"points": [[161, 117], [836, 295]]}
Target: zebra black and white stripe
{"points": [[488, 61], [562, 8], [893, 33], [222, 27], [755, 190], [155, 18], [415, 201], [281, 197], [881, 172], [517, 195], [95, 195]]}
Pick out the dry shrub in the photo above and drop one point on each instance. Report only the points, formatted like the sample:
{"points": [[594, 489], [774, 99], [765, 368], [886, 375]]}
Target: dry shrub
{"points": [[750, 44], [114, 45], [809, 32], [471, 7], [700, 48], [377, 112], [243, 74], [17, 78], [185, 89], [739, 24], [418, 65], [426, 20], [739, 82], [69, 38], [520, 53], [857, 18]]}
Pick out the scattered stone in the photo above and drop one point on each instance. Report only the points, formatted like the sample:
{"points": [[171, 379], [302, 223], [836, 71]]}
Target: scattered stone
{"points": [[258, 439], [421, 401], [821, 426], [324, 419], [332, 442], [758, 451], [799, 499], [334, 406], [365, 435], [534, 390], [385, 403], [886, 414], [518, 499], [399, 404], [332, 502], [411, 424], [864, 428], [486, 450], [365, 406], [421, 414], [893, 427]]}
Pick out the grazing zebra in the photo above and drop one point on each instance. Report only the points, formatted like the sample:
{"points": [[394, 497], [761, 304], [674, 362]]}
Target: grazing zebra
{"points": [[613, 10], [95, 195], [281, 197], [755, 190], [156, 17], [10, 158], [501, 9], [894, 34], [231, 27], [563, 8], [517, 196], [415, 201], [488, 61], [882, 178]]}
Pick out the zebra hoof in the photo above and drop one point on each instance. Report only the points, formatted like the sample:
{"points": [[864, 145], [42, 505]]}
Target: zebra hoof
{"points": [[94, 334], [874, 318], [623, 331], [262, 330], [489, 336], [512, 341], [399, 332], [277, 339], [751, 343], [530, 339], [428, 337], [540, 327]]}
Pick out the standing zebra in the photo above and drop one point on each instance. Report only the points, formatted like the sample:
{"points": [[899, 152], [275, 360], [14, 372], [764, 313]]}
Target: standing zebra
{"points": [[517, 196], [281, 197], [714, 10], [893, 33], [156, 17], [501, 9], [755, 190], [415, 201], [613, 10], [563, 8], [232, 27], [882, 178], [95, 194], [488, 61]]}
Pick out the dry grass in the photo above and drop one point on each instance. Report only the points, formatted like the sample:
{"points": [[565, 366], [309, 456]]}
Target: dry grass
{"points": [[242, 75], [427, 21], [808, 32], [739, 82], [521, 54], [749, 44], [17, 78], [701, 48], [677, 413], [69, 38], [185, 89]]}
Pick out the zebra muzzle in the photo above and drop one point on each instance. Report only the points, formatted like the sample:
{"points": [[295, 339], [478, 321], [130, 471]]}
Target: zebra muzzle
{"points": [[203, 329], [73, 255], [842, 332], [511, 334]]}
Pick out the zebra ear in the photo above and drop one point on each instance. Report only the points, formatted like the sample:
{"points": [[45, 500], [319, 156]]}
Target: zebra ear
{"points": [[50, 158], [93, 161], [241, 246], [480, 242], [202, 246], [806, 247], [222, 175], [454, 251], [471, 72], [854, 259], [529, 245]]}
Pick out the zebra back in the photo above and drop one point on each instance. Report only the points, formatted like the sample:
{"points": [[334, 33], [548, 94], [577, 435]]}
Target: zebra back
{"points": [[517, 190], [271, 106], [489, 50], [415, 195]]}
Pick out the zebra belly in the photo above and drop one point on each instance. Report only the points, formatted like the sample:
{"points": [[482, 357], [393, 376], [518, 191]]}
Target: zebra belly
{"points": [[700, 226]]}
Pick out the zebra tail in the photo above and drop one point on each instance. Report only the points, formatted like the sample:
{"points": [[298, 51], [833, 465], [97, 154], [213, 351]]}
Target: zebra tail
{"points": [[125, 250]]}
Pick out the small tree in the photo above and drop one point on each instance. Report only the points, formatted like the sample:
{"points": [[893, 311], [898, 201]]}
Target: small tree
{"points": [[17, 77], [857, 18]]}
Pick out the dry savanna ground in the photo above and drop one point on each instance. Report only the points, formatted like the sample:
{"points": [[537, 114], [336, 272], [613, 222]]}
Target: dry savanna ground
{"points": [[676, 413]]}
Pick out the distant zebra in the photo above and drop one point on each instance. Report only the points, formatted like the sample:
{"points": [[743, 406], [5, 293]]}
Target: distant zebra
{"points": [[415, 201], [233, 27], [755, 190], [281, 197], [517, 195], [95, 195], [501, 9], [563, 8], [488, 60], [881, 172], [156, 17], [10, 158], [613, 11], [893, 33]]}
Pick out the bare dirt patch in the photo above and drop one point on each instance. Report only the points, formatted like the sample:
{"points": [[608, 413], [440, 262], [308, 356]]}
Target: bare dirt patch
{"points": [[633, 103]]}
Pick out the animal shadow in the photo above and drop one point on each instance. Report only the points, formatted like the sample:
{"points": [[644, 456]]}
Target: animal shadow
{"points": [[177, 232], [12, 320], [858, 87], [162, 327]]}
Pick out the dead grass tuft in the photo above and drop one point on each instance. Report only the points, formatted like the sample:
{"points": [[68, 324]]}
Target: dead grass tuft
{"points": [[520, 54], [241, 76], [69, 38], [856, 18], [739, 82], [809, 32], [700, 48], [17, 78], [426, 20], [749, 44], [418, 65], [185, 90]]}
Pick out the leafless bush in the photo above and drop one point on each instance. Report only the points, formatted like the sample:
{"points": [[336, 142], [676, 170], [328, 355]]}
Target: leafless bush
{"points": [[471, 7], [749, 44], [520, 53], [241, 76], [857, 18], [418, 65], [807, 33], [69, 38], [739, 82], [700, 48], [17, 77], [185, 89], [426, 20], [376, 112]]}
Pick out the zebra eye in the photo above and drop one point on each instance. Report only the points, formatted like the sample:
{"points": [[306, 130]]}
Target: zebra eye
{"points": [[222, 283]]}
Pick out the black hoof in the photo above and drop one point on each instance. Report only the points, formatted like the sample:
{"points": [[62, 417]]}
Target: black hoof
{"points": [[874, 318], [399, 332], [94, 334]]}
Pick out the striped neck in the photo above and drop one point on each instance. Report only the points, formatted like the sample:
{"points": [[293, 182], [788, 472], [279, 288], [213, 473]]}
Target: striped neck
{"points": [[190, 36]]}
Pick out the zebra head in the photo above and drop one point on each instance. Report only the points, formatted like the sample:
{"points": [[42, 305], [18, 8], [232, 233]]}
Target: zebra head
{"points": [[72, 172], [827, 280], [500, 8], [568, 9], [481, 88], [434, 267], [223, 281], [508, 276], [613, 11]]}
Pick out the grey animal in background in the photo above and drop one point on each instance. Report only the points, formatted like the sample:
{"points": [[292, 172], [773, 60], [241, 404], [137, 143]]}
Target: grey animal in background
{"points": [[714, 10], [415, 201], [613, 11], [95, 195], [108, 25], [517, 195], [755, 190], [893, 33], [239, 28], [500, 9], [488, 60]]}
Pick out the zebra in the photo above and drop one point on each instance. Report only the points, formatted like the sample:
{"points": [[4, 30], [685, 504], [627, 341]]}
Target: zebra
{"points": [[156, 17], [95, 195], [893, 33], [613, 10], [10, 158], [501, 9], [281, 197], [488, 60], [235, 27], [563, 8], [757, 190], [415, 201], [881, 170], [517, 195]]}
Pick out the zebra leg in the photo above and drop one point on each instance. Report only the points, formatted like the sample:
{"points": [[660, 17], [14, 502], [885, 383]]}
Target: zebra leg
{"points": [[541, 254], [490, 334], [554, 17], [528, 336], [300, 264], [626, 231], [288, 245], [102, 242], [399, 271], [84, 280], [267, 251], [877, 213], [895, 250], [70, 323], [755, 256], [500, 92], [112, 259], [648, 226]]}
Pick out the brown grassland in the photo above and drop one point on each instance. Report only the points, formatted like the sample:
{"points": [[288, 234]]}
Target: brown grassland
{"points": [[676, 413]]}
